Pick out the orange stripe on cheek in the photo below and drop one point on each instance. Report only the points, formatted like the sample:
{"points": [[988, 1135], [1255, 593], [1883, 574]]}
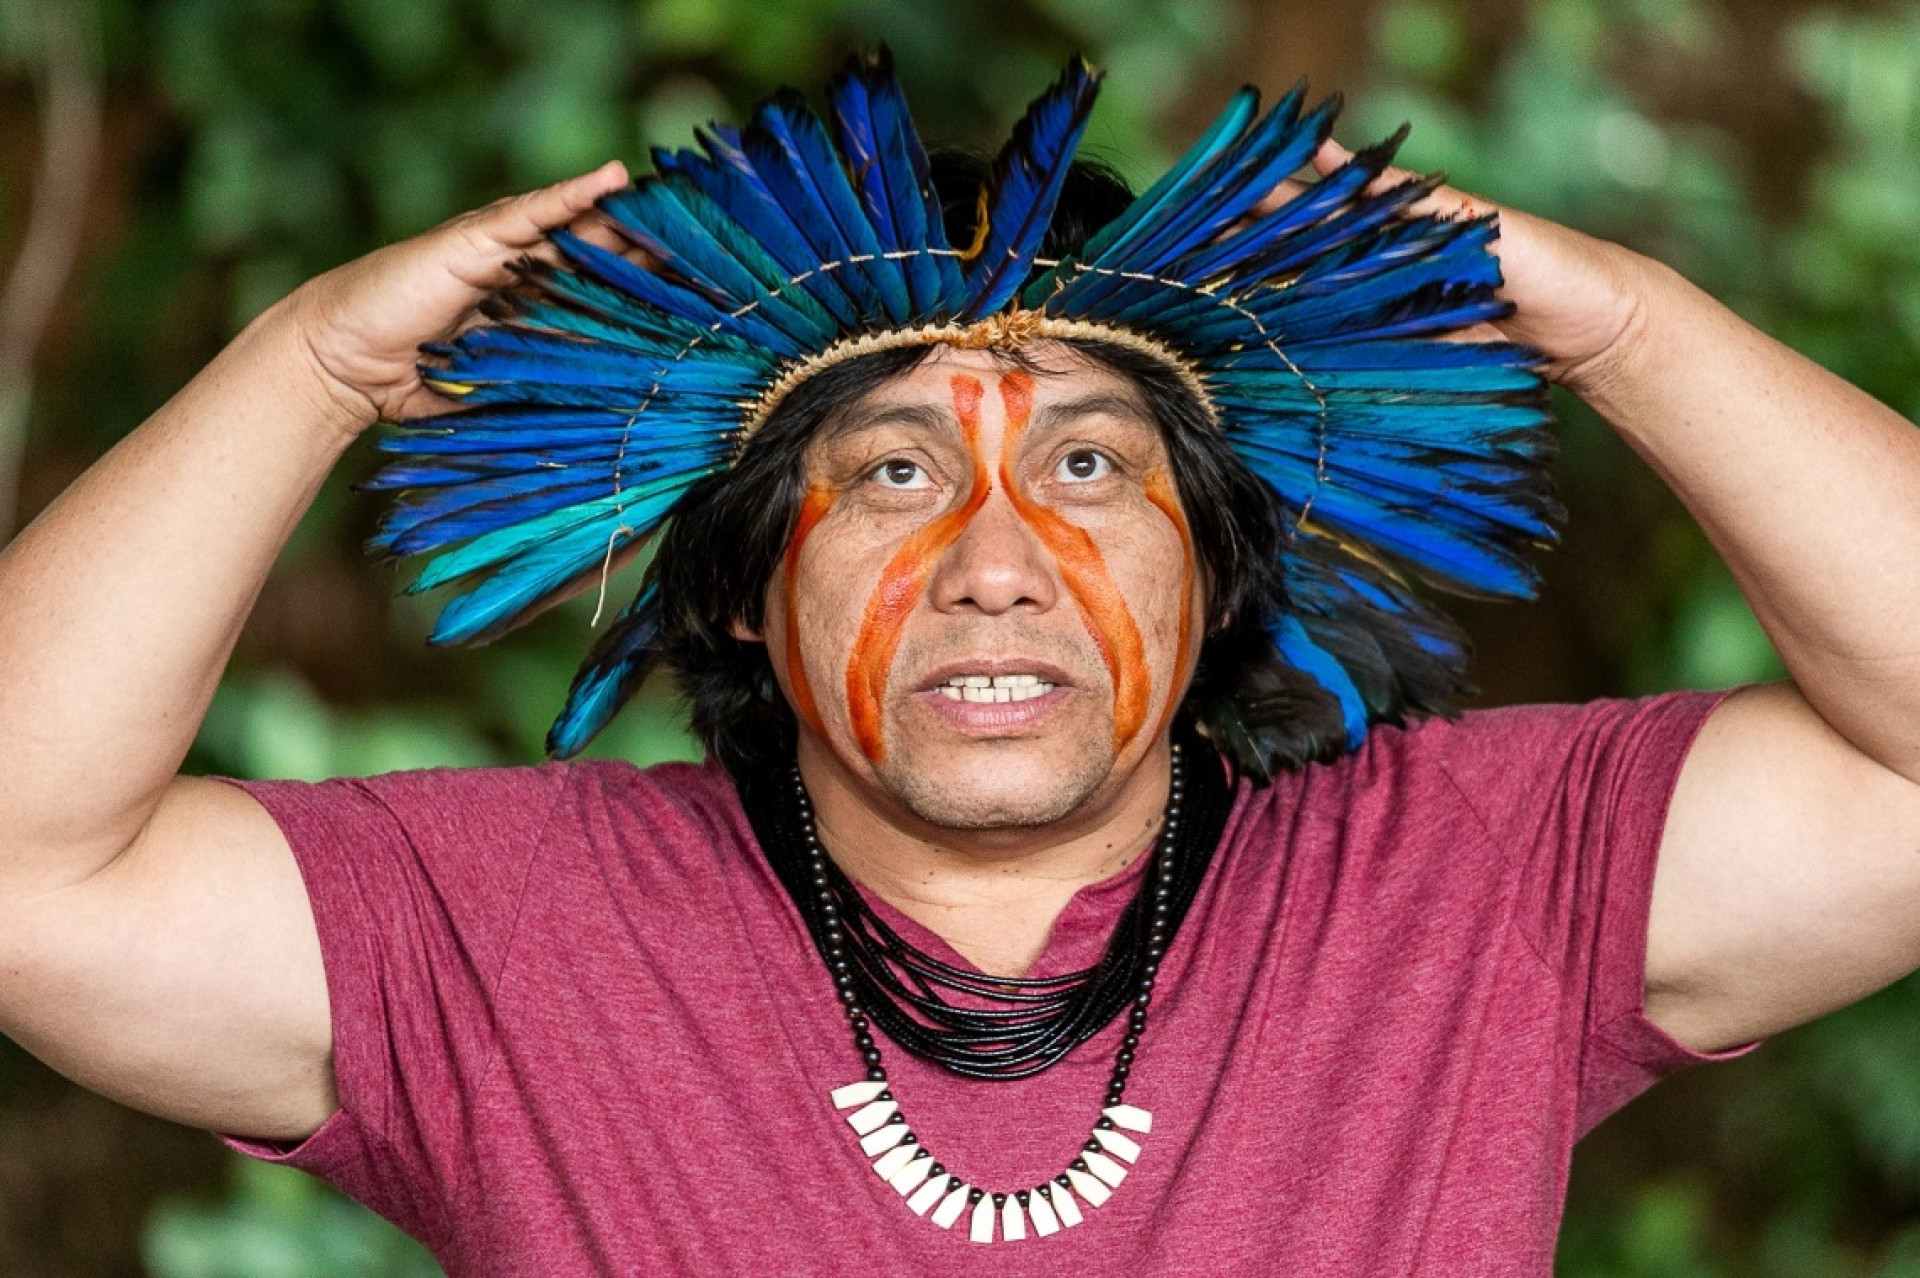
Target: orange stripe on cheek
{"points": [[1161, 492], [904, 581], [1084, 570], [813, 509]]}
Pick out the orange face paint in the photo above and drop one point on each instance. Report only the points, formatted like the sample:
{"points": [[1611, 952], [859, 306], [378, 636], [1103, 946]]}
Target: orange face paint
{"points": [[1161, 492], [813, 509], [903, 582], [1084, 570]]}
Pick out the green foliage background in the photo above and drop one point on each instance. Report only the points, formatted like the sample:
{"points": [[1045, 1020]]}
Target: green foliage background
{"points": [[1771, 151]]}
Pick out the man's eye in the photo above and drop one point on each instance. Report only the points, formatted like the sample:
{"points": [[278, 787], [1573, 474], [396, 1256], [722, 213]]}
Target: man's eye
{"points": [[899, 473], [1083, 465]]}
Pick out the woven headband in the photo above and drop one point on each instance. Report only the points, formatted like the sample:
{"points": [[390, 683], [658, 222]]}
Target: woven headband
{"points": [[1314, 332]]}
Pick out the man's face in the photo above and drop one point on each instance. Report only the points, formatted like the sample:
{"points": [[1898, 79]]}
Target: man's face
{"points": [[990, 602]]}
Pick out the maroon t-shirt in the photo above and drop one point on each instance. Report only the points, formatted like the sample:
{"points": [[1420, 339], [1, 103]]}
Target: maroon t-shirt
{"points": [[580, 1029]]}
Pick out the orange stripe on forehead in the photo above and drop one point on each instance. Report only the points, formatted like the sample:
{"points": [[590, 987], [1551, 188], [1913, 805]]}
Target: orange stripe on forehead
{"points": [[1084, 570], [904, 581]]}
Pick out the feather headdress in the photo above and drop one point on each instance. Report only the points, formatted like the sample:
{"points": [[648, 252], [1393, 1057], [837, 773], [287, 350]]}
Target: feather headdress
{"points": [[1312, 331]]}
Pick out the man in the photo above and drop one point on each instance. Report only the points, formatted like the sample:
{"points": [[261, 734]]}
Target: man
{"points": [[569, 1020]]}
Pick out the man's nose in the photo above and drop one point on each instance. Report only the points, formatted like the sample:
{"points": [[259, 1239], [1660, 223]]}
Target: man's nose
{"points": [[996, 565]]}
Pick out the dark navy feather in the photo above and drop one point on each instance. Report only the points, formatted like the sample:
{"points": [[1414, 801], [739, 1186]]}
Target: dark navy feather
{"points": [[1022, 188]]}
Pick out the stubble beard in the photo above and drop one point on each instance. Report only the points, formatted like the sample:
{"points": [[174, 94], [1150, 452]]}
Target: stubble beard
{"points": [[1039, 797]]}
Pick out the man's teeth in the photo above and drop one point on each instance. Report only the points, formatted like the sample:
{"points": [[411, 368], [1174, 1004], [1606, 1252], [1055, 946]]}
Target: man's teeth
{"points": [[995, 688]]}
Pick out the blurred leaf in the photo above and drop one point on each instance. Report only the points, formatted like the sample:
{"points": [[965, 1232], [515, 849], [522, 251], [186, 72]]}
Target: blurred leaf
{"points": [[279, 1223]]}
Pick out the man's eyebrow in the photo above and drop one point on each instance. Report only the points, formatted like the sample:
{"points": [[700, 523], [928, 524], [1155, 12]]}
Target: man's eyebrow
{"points": [[1111, 403], [865, 417]]}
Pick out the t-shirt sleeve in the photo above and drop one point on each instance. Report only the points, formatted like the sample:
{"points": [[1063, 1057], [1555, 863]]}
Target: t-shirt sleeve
{"points": [[1581, 793], [416, 881]]}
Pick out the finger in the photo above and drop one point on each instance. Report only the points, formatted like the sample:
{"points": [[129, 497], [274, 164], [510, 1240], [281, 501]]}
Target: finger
{"points": [[523, 221], [1442, 201]]}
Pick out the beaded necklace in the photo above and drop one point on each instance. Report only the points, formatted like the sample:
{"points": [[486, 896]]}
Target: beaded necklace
{"points": [[1026, 1025]]}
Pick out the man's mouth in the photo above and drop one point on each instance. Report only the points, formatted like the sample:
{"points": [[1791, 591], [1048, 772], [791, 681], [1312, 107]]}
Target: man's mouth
{"points": [[986, 689]]}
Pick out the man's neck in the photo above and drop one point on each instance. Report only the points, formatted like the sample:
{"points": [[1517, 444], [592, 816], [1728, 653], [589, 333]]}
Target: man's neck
{"points": [[993, 895]]}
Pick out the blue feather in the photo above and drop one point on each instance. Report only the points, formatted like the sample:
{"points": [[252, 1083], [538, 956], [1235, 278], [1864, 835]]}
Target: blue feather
{"points": [[553, 553], [672, 219], [1314, 661], [1140, 216], [610, 675], [1022, 188], [791, 151], [889, 167]]}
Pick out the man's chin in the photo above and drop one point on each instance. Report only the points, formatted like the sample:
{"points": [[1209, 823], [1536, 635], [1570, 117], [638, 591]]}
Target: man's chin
{"points": [[994, 785]]}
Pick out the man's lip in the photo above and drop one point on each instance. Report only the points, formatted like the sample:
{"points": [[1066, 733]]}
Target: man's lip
{"points": [[991, 667]]}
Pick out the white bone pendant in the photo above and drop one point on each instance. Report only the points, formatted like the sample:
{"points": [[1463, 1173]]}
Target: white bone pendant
{"points": [[1131, 1117], [875, 1143], [1045, 1223], [859, 1094], [952, 1205], [1105, 1168], [908, 1178], [893, 1160], [1066, 1207], [1117, 1145], [931, 1191], [1088, 1187], [869, 1117], [1013, 1221], [981, 1228]]}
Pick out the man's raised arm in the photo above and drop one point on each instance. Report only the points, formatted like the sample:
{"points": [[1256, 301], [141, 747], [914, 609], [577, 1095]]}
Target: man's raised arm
{"points": [[1788, 882], [155, 939]]}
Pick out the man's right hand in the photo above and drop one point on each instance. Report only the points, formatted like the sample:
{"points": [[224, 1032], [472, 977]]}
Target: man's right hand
{"points": [[156, 941], [364, 323]]}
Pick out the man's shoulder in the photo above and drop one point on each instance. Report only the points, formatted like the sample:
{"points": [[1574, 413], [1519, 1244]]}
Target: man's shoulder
{"points": [[1493, 768]]}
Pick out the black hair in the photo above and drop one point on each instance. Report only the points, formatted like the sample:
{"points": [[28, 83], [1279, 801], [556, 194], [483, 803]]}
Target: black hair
{"points": [[727, 538]]}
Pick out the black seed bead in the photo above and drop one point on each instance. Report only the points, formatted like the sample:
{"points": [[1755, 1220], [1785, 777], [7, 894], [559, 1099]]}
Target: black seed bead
{"points": [[895, 1118], [875, 1074], [1105, 1124], [872, 1057], [1115, 1097], [848, 997], [1078, 1164], [1062, 1181], [829, 910], [844, 980], [1143, 1000], [1150, 968], [909, 1138], [1092, 1146], [1023, 1197], [820, 878], [863, 1040], [936, 1171], [999, 1201], [975, 1195], [1124, 1056], [885, 1095], [857, 1019], [1130, 1042]]}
